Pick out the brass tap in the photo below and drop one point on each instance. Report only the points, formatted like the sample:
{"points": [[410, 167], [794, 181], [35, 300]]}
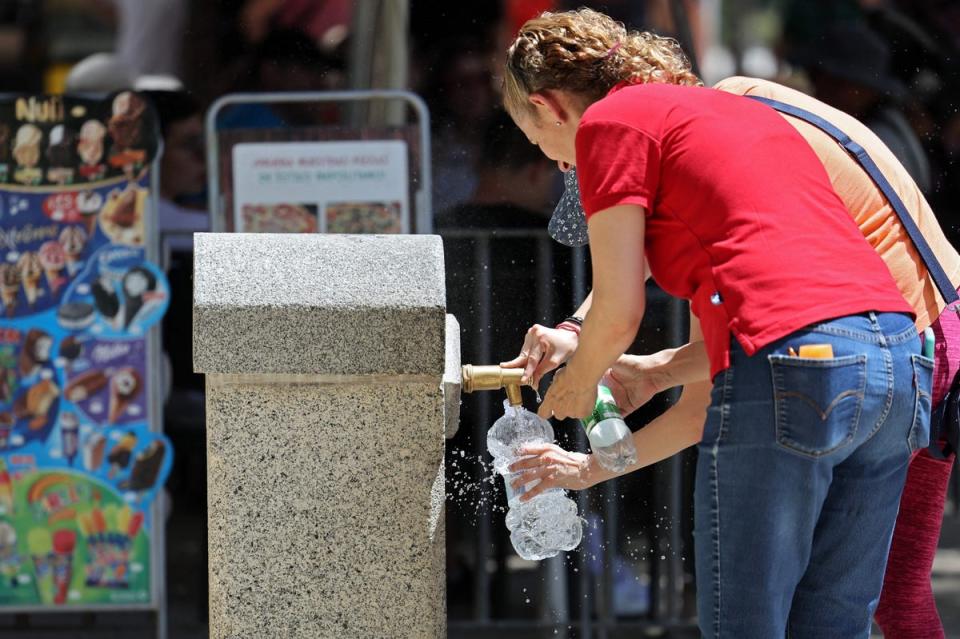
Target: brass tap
{"points": [[492, 378]]}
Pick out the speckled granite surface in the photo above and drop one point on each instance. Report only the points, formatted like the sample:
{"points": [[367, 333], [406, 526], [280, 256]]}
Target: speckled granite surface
{"points": [[325, 461], [452, 378], [313, 303], [324, 516]]}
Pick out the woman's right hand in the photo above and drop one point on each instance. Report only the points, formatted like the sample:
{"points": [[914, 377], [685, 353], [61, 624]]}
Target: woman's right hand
{"points": [[631, 382], [544, 349], [555, 468]]}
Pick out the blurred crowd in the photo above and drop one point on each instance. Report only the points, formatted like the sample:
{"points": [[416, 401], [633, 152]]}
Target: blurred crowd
{"points": [[890, 63]]}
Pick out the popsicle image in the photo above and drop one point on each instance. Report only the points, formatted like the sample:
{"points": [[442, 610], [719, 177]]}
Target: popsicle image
{"points": [[9, 287], [73, 239], [93, 570], [125, 386], [9, 559], [53, 259], [110, 517], [60, 152], [107, 301], [70, 351], [69, 435], [26, 146], [37, 347], [40, 545], [146, 467], [140, 293], [93, 449], [64, 542], [119, 456], [6, 422], [30, 273], [90, 144], [6, 489], [134, 525]]}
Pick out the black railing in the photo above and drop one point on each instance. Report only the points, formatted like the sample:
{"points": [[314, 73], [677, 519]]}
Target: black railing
{"points": [[633, 571]]}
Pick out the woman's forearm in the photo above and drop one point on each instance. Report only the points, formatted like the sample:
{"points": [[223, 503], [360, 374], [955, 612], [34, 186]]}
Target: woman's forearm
{"points": [[585, 306], [678, 428], [672, 367]]}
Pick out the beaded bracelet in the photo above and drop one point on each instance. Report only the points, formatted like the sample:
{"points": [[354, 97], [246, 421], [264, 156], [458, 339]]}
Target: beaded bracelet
{"points": [[568, 326]]}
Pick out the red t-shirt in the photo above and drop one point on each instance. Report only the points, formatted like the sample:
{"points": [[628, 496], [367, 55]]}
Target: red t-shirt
{"points": [[740, 216]]}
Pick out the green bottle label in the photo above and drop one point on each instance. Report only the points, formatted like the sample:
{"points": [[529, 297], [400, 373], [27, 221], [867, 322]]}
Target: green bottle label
{"points": [[605, 408]]}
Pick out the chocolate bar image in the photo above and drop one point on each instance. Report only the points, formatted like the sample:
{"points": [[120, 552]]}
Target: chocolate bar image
{"points": [[86, 385]]}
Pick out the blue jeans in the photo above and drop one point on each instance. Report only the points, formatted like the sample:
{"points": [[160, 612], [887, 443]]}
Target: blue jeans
{"points": [[799, 477]]}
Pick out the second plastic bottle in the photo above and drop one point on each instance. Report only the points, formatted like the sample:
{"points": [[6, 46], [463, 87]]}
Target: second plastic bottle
{"points": [[610, 439]]}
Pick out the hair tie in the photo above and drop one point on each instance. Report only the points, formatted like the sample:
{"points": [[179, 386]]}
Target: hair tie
{"points": [[611, 50]]}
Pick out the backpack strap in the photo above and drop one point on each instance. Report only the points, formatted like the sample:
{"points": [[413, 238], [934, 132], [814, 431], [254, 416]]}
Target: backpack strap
{"points": [[934, 268]]}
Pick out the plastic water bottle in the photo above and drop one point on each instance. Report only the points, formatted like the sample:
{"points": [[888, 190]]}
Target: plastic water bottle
{"points": [[548, 523], [610, 439]]}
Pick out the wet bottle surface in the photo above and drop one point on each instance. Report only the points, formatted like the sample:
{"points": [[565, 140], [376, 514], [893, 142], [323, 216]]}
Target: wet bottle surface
{"points": [[610, 438], [548, 523]]}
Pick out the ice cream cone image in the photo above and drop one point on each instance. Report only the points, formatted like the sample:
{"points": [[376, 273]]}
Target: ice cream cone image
{"points": [[125, 385], [9, 287], [30, 273], [73, 239], [52, 259]]}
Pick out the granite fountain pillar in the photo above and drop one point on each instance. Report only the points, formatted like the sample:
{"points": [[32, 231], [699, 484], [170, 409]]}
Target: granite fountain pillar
{"points": [[332, 375]]}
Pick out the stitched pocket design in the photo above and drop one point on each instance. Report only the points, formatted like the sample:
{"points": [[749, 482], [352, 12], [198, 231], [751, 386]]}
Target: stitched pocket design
{"points": [[818, 401]]}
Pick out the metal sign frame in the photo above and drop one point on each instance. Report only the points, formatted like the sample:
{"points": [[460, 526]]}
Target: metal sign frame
{"points": [[422, 196]]}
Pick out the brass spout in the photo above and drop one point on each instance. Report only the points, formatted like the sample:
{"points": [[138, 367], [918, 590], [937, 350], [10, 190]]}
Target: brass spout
{"points": [[492, 378]]}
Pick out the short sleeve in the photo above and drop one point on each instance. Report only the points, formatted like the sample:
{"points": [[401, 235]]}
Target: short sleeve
{"points": [[616, 164]]}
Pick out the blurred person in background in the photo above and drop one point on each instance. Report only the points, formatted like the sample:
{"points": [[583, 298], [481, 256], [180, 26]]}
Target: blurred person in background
{"points": [[183, 168], [182, 185], [514, 182], [286, 60], [99, 73], [150, 35], [849, 67], [327, 22], [461, 97]]}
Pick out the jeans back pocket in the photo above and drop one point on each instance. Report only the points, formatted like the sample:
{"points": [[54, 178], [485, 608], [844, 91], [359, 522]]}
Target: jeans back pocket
{"points": [[923, 402], [818, 401]]}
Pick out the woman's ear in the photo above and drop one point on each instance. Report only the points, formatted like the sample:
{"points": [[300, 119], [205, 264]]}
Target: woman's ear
{"points": [[548, 105]]}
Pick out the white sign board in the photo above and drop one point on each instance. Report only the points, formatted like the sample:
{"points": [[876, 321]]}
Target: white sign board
{"points": [[326, 187]]}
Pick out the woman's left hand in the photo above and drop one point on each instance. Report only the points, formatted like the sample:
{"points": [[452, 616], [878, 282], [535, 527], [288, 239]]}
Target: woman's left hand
{"points": [[555, 468], [568, 397]]}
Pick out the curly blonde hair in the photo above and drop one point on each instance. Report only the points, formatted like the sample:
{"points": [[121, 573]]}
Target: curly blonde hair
{"points": [[587, 53]]}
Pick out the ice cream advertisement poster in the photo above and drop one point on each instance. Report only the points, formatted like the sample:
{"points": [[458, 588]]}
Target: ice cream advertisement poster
{"points": [[80, 465], [327, 187], [63, 140]]}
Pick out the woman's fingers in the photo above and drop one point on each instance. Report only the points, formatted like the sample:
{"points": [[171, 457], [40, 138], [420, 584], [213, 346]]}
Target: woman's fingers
{"points": [[516, 362], [536, 449], [524, 477], [546, 483], [527, 351]]}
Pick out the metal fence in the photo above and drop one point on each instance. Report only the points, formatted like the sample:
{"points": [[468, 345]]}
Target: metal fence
{"points": [[633, 571]]}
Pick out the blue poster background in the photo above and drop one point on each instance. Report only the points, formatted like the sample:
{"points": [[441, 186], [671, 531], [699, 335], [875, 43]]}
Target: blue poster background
{"points": [[79, 462]]}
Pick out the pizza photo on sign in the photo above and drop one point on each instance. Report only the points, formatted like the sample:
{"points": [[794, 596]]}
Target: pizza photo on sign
{"points": [[279, 218], [364, 217]]}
